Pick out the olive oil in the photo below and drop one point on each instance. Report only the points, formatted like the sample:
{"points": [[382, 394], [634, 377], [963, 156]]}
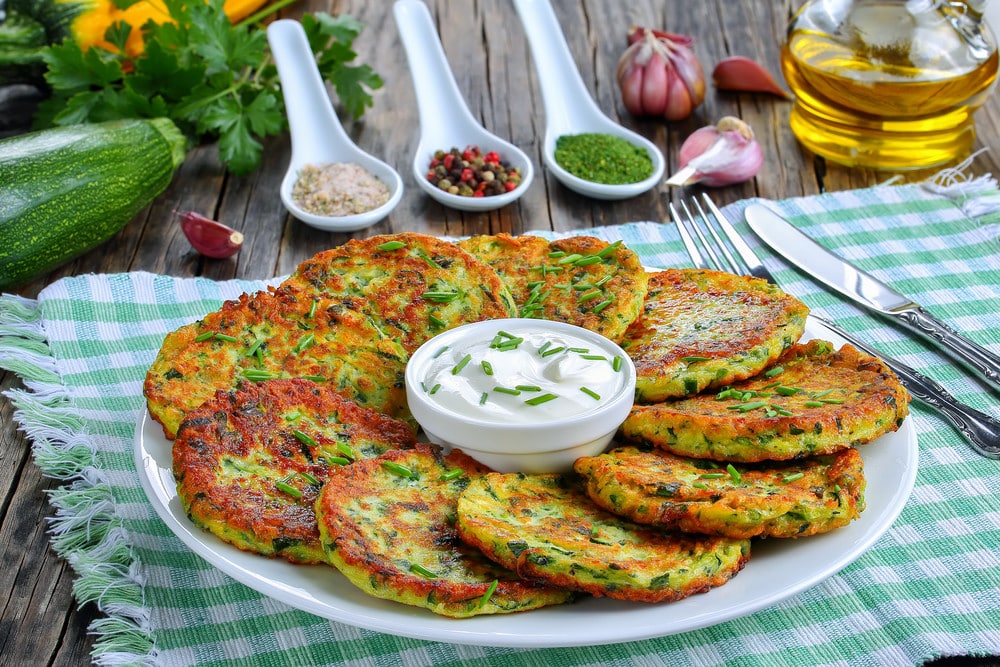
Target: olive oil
{"points": [[888, 85]]}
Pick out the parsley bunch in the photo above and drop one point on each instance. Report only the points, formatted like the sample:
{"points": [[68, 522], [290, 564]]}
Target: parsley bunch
{"points": [[215, 80]]}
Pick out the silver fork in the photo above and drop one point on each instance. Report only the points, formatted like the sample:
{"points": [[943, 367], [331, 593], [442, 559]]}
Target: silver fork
{"points": [[713, 243]]}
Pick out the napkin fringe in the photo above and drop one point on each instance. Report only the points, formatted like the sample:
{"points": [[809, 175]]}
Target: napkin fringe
{"points": [[976, 196], [83, 530]]}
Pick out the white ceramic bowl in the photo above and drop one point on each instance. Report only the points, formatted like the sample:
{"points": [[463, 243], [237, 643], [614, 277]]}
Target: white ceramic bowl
{"points": [[551, 438]]}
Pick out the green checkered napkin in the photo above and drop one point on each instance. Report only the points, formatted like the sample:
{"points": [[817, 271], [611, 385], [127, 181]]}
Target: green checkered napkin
{"points": [[929, 587]]}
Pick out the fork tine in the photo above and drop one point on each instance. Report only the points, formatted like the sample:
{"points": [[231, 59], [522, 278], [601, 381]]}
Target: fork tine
{"points": [[730, 264], [697, 258], [751, 262]]}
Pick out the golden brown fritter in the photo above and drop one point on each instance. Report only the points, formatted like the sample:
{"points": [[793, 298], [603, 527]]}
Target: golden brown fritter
{"points": [[250, 462], [701, 329], [814, 400], [580, 280], [805, 497], [545, 527], [388, 525], [411, 285], [271, 334]]}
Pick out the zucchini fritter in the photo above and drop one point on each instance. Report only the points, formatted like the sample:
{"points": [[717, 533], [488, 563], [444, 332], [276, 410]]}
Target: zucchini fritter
{"points": [[580, 280], [814, 400], [249, 463], [545, 527], [411, 285], [388, 525], [807, 497], [270, 334], [701, 329]]}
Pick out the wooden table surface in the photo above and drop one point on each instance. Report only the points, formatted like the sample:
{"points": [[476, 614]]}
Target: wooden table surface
{"points": [[39, 621]]}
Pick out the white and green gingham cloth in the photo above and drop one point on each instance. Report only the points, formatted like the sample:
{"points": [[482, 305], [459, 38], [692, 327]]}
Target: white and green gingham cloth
{"points": [[929, 587]]}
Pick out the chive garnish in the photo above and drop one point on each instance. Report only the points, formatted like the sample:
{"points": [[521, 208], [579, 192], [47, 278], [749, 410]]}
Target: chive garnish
{"points": [[487, 367], [711, 475], [347, 451], [314, 378], [205, 336], [555, 254], [603, 281], [482, 397], [434, 389], [454, 473], [813, 404], [835, 401], [601, 306], [436, 322], [588, 260], [226, 337], [505, 334], [489, 593], [699, 485], [257, 375], [734, 473], [439, 352], [823, 393], [579, 350], [786, 391], [309, 478], [428, 259], [252, 350], [546, 345], [289, 489], [527, 387], [691, 360], [538, 400], [590, 392], [746, 407], [589, 296], [609, 249], [422, 571], [440, 296], [771, 372], [398, 469], [616, 363], [593, 357], [303, 343], [304, 438], [392, 245], [553, 350], [507, 390], [338, 460], [461, 364], [791, 478], [570, 259]]}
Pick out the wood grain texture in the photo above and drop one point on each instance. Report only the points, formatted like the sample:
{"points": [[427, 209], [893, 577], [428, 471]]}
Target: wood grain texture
{"points": [[39, 621]]}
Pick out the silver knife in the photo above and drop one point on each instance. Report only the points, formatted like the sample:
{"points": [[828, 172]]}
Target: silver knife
{"points": [[867, 290]]}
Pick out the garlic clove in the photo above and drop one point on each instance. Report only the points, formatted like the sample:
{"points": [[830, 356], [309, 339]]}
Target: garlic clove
{"points": [[718, 155], [742, 73], [209, 237]]}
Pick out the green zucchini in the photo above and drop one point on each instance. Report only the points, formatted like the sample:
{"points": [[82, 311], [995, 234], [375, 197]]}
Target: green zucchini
{"points": [[66, 190]]}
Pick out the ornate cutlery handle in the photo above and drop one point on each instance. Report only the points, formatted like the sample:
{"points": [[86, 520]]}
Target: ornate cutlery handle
{"points": [[972, 355]]}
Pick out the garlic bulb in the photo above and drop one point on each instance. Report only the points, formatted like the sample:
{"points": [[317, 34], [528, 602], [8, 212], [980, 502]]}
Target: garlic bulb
{"points": [[720, 154], [659, 75]]}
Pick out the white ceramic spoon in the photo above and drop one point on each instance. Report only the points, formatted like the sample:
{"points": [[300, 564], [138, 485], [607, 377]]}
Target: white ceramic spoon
{"points": [[317, 134], [569, 108], [445, 120]]}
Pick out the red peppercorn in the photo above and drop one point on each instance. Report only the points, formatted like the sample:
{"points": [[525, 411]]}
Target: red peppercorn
{"points": [[492, 157], [478, 193], [469, 153], [509, 185], [448, 160], [467, 174]]}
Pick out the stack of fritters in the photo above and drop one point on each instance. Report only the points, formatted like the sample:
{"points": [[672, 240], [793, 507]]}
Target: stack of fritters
{"points": [[293, 438]]}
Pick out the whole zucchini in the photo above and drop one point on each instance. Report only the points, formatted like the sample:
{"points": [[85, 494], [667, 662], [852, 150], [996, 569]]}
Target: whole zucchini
{"points": [[66, 190]]}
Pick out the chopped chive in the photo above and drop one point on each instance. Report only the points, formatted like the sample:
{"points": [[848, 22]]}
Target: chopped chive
{"points": [[309, 478], [734, 473], [314, 378], [590, 392], [439, 352], [422, 571], [257, 375], [570, 259], [346, 450], [483, 397], [535, 284], [691, 360], [252, 350], [506, 390], [434, 389], [593, 357], [601, 306], [579, 350], [616, 363], [835, 401], [428, 260], [205, 336], [771, 372], [823, 393], [304, 438], [400, 470], [538, 400], [781, 411], [786, 391], [589, 296], [555, 254], [711, 475], [289, 489], [546, 345], [436, 322], [580, 287], [699, 485], [527, 387], [791, 478], [392, 245], [454, 473], [588, 260], [226, 337], [746, 407], [303, 325], [553, 350], [508, 345], [303, 343], [487, 367], [609, 249], [771, 386], [489, 593], [461, 364], [440, 296], [814, 404], [312, 308], [603, 281], [505, 334], [338, 460]]}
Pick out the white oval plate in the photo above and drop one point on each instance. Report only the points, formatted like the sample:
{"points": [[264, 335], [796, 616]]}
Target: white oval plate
{"points": [[777, 569]]}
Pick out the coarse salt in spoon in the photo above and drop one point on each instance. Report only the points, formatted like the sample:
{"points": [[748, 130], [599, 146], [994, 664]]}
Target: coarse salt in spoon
{"points": [[445, 119], [569, 108], [317, 134]]}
